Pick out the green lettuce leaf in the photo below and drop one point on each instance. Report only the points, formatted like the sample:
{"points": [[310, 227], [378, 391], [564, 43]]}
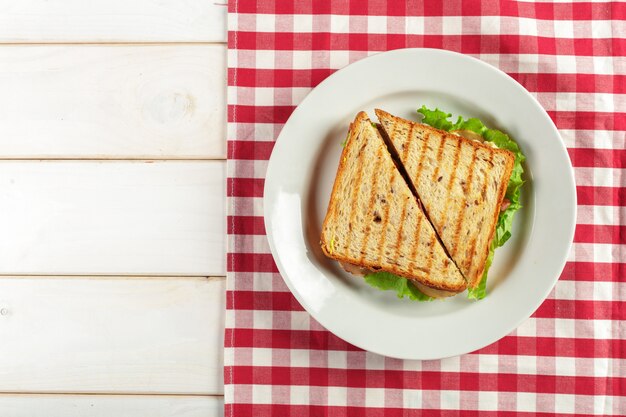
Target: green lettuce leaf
{"points": [[436, 118], [439, 119], [402, 286]]}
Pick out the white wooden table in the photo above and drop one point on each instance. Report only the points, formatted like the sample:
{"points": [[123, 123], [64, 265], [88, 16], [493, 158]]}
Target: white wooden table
{"points": [[112, 207]]}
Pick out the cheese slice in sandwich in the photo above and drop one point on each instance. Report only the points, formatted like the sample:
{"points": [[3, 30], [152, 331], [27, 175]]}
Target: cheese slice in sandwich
{"points": [[375, 223], [460, 183]]}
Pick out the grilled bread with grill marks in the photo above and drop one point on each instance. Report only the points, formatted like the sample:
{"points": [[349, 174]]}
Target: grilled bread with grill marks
{"points": [[461, 184], [375, 222]]}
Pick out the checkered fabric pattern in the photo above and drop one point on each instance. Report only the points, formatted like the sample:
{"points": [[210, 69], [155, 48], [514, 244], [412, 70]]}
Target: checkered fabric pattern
{"points": [[570, 356]]}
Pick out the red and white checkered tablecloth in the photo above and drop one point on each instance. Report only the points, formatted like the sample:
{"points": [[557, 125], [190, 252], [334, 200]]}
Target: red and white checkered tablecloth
{"points": [[570, 356]]}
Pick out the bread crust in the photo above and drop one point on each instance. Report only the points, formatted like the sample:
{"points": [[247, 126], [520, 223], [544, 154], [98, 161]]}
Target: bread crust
{"points": [[422, 280], [429, 291], [332, 203], [382, 114], [494, 222]]}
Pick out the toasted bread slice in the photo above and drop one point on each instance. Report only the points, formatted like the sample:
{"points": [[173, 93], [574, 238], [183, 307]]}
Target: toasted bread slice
{"points": [[374, 220], [461, 184]]}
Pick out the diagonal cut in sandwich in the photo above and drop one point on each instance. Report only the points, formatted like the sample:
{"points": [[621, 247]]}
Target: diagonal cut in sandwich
{"points": [[374, 221], [461, 184]]}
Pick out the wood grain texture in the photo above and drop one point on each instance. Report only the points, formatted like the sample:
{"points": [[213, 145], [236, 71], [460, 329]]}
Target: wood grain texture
{"points": [[112, 218], [111, 335], [112, 101], [40, 21], [29, 405]]}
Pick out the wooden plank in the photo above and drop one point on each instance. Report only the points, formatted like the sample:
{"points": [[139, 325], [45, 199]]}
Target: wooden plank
{"points": [[113, 101], [111, 335], [17, 405], [112, 218], [113, 21]]}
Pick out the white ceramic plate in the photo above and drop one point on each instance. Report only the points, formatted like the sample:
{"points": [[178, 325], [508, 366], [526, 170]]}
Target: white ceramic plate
{"points": [[301, 172]]}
